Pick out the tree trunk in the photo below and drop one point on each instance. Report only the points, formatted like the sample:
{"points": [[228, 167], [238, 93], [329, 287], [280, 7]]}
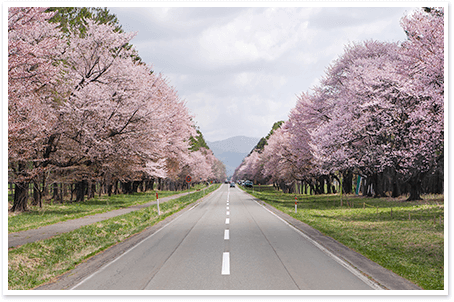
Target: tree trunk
{"points": [[415, 189], [135, 186], [440, 182], [101, 185], [328, 184], [72, 192], [436, 183], [379, 192], [320, 185], [347, 182], [91, 190], [125, 187], [64, 191], [143, 186], [60, 195], [45, 191], [115, 187], [367, 189], [20, 197], [80, 188], [312, 189], [55, 192], [396, 186], [109, 189], [37, 195]]}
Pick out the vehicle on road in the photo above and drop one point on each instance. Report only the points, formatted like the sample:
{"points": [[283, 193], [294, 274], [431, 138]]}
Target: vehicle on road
{"points": [[232, 184], [248, 184]]}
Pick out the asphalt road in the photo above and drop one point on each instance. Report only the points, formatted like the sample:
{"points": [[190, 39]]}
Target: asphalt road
{"points": [[227, 242]]}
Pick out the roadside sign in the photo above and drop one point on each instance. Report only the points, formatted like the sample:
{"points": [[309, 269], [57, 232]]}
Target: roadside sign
{"points": [[188, 178]]}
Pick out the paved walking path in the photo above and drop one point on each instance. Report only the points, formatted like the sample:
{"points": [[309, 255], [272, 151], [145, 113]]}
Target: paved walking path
{"points": [[45, 232]]}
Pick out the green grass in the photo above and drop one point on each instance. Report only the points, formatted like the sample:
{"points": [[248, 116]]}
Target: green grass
{"points": [[52, 213], [409, 242], [34, 264]]}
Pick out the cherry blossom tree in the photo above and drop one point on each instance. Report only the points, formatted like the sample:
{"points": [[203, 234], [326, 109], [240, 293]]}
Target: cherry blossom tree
{"points": [[302, 121], [115, 110], [359, 102], [277, 159], [99, 103], [200, 167], [422, 150], [178, 131], [387, 106], [219, 170], [33, 48]]}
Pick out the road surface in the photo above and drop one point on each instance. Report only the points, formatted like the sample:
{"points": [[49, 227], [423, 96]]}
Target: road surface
{"points": [[227, 242]]}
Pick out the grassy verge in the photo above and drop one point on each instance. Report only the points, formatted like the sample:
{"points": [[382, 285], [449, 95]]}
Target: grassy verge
{"points": [[52, 213], [34, 264], [404, 237]]}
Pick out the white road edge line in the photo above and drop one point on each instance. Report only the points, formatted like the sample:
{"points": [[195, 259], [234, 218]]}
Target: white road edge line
{"points": [[136, 245], [226, 235], [327, 252], [225, 263]]}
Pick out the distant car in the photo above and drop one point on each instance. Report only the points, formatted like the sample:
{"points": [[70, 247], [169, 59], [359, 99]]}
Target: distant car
{"points": [[248, 184], [232, 184]]}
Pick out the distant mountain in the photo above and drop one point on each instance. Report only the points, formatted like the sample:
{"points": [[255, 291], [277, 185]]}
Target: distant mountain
{"points": [[233, 150]]}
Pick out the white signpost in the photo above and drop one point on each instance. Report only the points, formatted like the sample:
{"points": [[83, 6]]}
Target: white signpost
{"points": [[157, 202]]}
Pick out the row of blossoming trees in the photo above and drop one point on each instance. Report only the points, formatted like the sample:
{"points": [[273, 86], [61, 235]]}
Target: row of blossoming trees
{"points": [[85, 114], [377, 113]]}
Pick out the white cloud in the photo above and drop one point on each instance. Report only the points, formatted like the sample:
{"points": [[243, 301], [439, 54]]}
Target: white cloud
{"points": [[251, 81], [263, 35], [240, 69]]}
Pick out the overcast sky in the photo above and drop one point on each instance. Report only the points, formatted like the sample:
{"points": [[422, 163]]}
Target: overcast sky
{"points": [[240, 69]]}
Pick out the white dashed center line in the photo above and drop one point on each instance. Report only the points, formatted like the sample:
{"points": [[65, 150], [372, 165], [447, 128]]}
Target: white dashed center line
{"points": [[226, 255], [225, 264]]}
